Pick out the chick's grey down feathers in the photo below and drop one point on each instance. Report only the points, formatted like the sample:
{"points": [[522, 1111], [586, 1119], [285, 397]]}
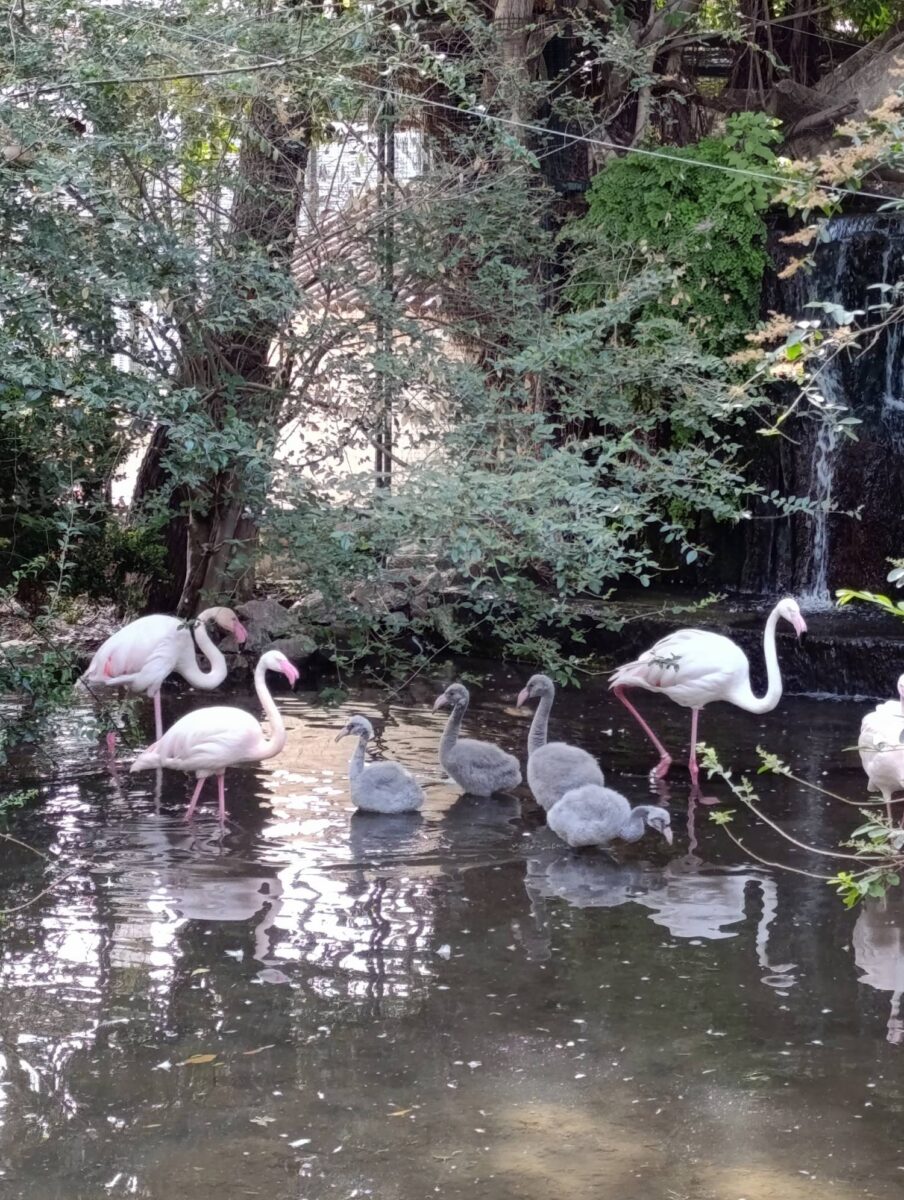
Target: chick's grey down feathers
{"points": [[597, 816], [553, 768], [383, 787], [479, 768]]}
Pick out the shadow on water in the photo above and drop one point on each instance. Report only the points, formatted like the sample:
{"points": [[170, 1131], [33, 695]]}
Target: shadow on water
{"points": [[316, 1002]]}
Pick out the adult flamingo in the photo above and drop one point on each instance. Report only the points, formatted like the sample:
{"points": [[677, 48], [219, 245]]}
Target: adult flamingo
{"points": [[694, 667], [881, 751], [211, 739], [143, 653]]}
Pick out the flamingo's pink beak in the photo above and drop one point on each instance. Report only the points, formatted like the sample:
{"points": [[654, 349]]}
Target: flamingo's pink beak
{"points": [[668, 835], [523, 697], [800, 625], [440, 702], [291, 672], [239, 632]]}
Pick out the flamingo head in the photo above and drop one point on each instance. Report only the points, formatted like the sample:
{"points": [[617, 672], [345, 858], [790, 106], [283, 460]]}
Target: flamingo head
{"points": [[901, 691], [455, 695], [536, 686], [227, 620], [356, 726], [275, 660], [790, 610], [660, 820]]}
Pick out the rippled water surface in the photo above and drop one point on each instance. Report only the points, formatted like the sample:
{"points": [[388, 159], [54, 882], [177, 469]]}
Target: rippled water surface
{"points": [[448, 1004]]}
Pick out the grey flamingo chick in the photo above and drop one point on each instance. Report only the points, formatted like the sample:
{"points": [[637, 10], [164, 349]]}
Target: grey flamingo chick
{"points": [[553, 768], [595, 816], [383, 787], [479, 768]]}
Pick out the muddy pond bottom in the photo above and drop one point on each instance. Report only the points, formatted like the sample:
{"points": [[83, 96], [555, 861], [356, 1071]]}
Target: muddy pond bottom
{"points": [[315, 1003]]}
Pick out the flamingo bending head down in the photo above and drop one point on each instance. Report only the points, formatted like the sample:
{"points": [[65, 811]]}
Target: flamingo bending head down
{"points": [[141, 655]]}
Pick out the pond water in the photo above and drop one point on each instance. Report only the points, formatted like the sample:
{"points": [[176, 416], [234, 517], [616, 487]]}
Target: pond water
{"points": [[451, 1004]]}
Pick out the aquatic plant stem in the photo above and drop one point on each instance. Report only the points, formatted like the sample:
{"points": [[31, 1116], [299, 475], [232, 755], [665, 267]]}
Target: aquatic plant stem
{"points": [[766, 863]]}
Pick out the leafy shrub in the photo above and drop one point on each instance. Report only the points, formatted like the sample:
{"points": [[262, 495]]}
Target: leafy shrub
{"points": [[706, 226]]}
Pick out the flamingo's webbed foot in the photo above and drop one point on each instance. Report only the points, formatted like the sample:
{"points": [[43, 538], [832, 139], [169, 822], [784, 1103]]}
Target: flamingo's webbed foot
{"points": [[662, 768]]}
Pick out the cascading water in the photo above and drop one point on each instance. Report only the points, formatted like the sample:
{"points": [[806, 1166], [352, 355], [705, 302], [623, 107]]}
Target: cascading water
{"points": [[859, 266], [816, 592]]}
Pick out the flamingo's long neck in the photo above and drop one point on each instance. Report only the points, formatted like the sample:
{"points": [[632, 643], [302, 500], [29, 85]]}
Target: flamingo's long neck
{"points": [[744, 697], [356, 763], [450, 733], [277, 738], [190, 669], [636, 824], [539, 726]]}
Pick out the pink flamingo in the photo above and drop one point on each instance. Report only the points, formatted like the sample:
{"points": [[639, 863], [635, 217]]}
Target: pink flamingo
{"points": [[143, 653], [694, 667], [212, 739]]}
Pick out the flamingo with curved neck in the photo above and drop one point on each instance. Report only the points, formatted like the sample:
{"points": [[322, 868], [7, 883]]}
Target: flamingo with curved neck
{"points": [[143, 653], [694, 667], [211, 739]]}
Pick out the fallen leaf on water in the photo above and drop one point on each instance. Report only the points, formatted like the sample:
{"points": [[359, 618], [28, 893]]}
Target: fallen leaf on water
{"points": [[402, 1112], [201, 971], [262, 1120], [198, 1060], [259, 1049]]}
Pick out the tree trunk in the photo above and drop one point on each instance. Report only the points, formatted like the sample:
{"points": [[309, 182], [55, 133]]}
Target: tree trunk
{"points": [[232, 369]]}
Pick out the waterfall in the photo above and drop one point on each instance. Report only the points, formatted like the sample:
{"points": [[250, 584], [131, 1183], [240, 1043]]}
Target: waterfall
{"points": [[816, 592], [857, 265]]}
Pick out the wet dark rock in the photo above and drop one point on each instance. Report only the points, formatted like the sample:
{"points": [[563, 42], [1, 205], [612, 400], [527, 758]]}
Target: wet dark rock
{"points": [[298, 647], [264, 620]]}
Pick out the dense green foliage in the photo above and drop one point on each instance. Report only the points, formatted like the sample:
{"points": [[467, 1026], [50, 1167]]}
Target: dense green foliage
{"points": [[167, 295], [707, 226]]}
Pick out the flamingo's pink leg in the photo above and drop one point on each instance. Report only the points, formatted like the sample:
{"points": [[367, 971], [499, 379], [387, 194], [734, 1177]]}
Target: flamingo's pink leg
{"points": [[692, 761], [665, 759], [111, 742], [158, 717], [222, 792], [189, 812]]}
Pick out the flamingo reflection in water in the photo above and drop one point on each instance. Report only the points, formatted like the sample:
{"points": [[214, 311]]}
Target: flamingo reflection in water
{"points": [[878, 942], [689, 898]]}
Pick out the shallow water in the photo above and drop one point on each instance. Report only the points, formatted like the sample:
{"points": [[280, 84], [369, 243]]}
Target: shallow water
{"points": [[450, 1004]]}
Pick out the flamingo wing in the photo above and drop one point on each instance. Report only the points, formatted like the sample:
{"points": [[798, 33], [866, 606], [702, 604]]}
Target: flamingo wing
{"points": [[208, 740], [691, 666], [480, 756], [140, 655], [883, 727]]}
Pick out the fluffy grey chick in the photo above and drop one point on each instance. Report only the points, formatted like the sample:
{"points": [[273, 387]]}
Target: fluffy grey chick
{"points": [[553, 768], [479, 768], [595, 816], [383, 787]]}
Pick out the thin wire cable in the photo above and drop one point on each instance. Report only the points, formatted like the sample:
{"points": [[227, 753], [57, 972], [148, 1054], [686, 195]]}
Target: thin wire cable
{"points": [[571, 138], [564, 137]]}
